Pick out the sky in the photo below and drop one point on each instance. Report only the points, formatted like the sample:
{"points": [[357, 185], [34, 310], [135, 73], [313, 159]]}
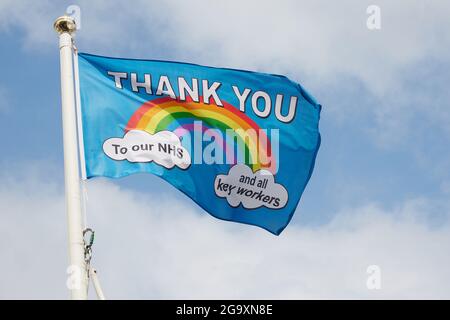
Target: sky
{"points": [[379, 195]]}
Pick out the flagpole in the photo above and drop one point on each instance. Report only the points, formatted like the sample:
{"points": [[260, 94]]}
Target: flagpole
{"points": [[78, 282]]}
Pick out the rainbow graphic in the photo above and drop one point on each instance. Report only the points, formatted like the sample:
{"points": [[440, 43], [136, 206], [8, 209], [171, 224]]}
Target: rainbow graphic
{"points": [[179, 116]]}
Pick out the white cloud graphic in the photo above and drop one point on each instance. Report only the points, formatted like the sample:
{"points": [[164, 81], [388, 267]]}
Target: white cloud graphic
{"points": [[164, 148], [253, 190]]}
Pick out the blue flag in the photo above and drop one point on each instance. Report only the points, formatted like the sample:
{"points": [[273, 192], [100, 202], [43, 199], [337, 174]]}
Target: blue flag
{"points": [[241, 144]]}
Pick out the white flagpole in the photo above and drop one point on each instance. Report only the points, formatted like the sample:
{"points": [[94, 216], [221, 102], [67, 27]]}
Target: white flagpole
{"points": [[65, 26]]}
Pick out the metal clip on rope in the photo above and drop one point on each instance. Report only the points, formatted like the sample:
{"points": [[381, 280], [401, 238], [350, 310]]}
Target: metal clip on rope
{"points": [[88, 233], [88, 245]]}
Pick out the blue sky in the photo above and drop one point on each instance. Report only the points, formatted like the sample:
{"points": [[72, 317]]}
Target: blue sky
{"points": [[381, 185]]}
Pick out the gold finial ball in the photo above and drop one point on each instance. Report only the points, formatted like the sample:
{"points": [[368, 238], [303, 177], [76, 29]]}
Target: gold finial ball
{"points": [[65, 24]]}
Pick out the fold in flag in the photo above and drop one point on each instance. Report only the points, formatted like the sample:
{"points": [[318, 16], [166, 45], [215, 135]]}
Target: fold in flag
{"points": [[241, 144]]}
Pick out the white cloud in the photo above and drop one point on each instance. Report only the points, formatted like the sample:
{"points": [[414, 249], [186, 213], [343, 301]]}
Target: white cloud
{"points": [[253, 190], [317, 37], [33, 17], [322, 44], [163, 147], [151, 246]]}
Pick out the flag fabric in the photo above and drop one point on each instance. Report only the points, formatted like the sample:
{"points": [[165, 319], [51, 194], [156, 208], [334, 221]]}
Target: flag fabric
{"points": [[241, 144]]}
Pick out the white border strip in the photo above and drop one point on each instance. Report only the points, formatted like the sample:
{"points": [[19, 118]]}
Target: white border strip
{"points": [[79, 118]]}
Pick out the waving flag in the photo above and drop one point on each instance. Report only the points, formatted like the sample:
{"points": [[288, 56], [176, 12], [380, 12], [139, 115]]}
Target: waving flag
{"points": [[240, 144]]}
